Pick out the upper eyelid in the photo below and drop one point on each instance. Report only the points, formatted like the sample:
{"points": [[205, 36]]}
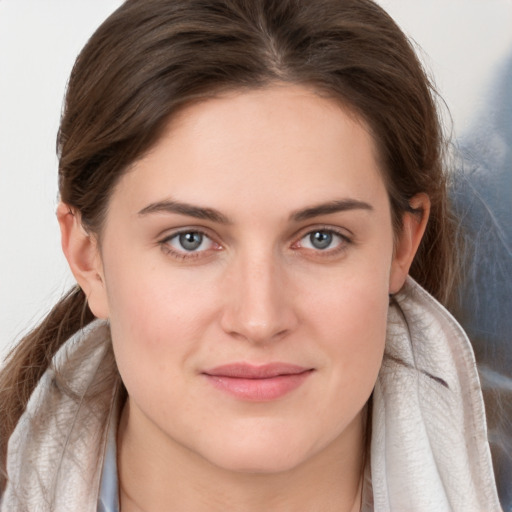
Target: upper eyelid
{"points": [[168, 234], [343, 239], [332, 231], [343, 232]]}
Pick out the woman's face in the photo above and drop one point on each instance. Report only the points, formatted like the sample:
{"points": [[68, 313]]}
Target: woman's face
{"points": [[245, 268]]}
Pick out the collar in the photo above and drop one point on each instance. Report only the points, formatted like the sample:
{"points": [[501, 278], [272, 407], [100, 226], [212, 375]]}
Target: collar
{"points": [[429, 448]]}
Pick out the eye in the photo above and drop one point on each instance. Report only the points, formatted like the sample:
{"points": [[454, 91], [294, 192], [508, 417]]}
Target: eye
{"points": [[188, 243], [320, 239], [323, 240]]}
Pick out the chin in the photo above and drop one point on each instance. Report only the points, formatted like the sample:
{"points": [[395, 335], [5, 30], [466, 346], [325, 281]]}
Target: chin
{"points": [[257, 456]]}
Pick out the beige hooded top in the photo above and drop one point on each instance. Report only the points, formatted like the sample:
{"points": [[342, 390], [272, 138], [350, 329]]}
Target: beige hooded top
{"points": [[429, 449]]}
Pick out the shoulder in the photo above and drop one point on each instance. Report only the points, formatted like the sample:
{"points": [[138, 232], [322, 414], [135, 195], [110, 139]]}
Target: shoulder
{"points": [[56, 451]]}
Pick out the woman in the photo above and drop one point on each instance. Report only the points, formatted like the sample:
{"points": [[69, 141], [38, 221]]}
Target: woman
{"points": [[245, 187]]}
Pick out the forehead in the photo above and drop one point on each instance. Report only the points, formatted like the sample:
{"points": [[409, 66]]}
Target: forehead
{"points": [[268, 146]]}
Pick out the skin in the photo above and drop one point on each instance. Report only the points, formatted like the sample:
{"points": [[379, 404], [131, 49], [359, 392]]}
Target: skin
{"points": [[257, 290]]}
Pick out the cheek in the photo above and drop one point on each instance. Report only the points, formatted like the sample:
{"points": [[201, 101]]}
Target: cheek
{"points": [[360, 325], [352, 298], [157, 323], [350, 316], [151, 298]]}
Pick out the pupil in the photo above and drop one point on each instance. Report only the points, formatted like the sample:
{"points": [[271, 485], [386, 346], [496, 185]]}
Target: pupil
{"points": [[321, 239], [191, 241]]}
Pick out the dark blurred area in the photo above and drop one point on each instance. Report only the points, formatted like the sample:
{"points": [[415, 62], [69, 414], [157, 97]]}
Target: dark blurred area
{"points": [[482, 196]]}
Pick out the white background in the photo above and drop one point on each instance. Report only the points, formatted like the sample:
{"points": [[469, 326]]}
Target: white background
{"points": [[464, 43]]}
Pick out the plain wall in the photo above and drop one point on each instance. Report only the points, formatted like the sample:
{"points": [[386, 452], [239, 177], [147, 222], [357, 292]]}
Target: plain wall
{"points": [[39, 41]]}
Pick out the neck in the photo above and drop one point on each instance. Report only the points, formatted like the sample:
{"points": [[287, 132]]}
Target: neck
{"points": [[156, 475]]}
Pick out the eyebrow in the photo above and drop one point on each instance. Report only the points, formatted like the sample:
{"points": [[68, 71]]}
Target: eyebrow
{"points": [[198, 212], [169, 206], [336, 206]]}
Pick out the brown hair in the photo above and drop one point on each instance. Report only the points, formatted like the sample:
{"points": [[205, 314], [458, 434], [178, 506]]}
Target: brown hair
{"points": [[152, 57]]}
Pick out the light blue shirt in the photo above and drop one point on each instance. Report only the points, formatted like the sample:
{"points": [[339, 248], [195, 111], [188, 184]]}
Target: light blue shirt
{"points": [[108, 500]]}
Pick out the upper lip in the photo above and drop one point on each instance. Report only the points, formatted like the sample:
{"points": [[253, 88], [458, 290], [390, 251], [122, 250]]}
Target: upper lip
{"points": [[252, 371]]}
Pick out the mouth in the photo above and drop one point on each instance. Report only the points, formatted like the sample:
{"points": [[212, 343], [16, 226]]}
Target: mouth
{"points": [[257, 383]]}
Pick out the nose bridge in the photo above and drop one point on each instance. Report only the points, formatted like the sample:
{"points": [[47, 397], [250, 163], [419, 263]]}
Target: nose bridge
{"points": [[258, 307]]}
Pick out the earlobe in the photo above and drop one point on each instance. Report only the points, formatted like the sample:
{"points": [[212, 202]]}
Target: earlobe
{"points": [[413, 228], [82, 253]]}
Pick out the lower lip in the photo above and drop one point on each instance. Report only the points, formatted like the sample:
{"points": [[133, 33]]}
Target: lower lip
{"points": [[259, 390]]}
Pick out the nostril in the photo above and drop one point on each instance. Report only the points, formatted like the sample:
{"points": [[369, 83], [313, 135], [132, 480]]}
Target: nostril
{"points": [[281, 334]]}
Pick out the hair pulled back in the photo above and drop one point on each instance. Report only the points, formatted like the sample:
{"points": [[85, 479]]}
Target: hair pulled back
{"points": [[153, 57]]}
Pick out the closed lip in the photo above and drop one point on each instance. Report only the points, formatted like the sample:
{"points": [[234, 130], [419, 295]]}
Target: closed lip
{"points": [[257, 383], [253, 371]]}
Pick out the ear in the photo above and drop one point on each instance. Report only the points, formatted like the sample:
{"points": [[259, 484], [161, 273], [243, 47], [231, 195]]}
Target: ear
{"points": [[406, 245], [84, 259]]}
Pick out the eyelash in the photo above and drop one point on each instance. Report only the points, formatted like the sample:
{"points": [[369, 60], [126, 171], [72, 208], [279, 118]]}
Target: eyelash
{"points": [[343, 241], [183, 254]]}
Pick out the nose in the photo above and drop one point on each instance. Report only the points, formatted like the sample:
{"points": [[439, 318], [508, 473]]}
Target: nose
{"points": [[259, 303]]}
